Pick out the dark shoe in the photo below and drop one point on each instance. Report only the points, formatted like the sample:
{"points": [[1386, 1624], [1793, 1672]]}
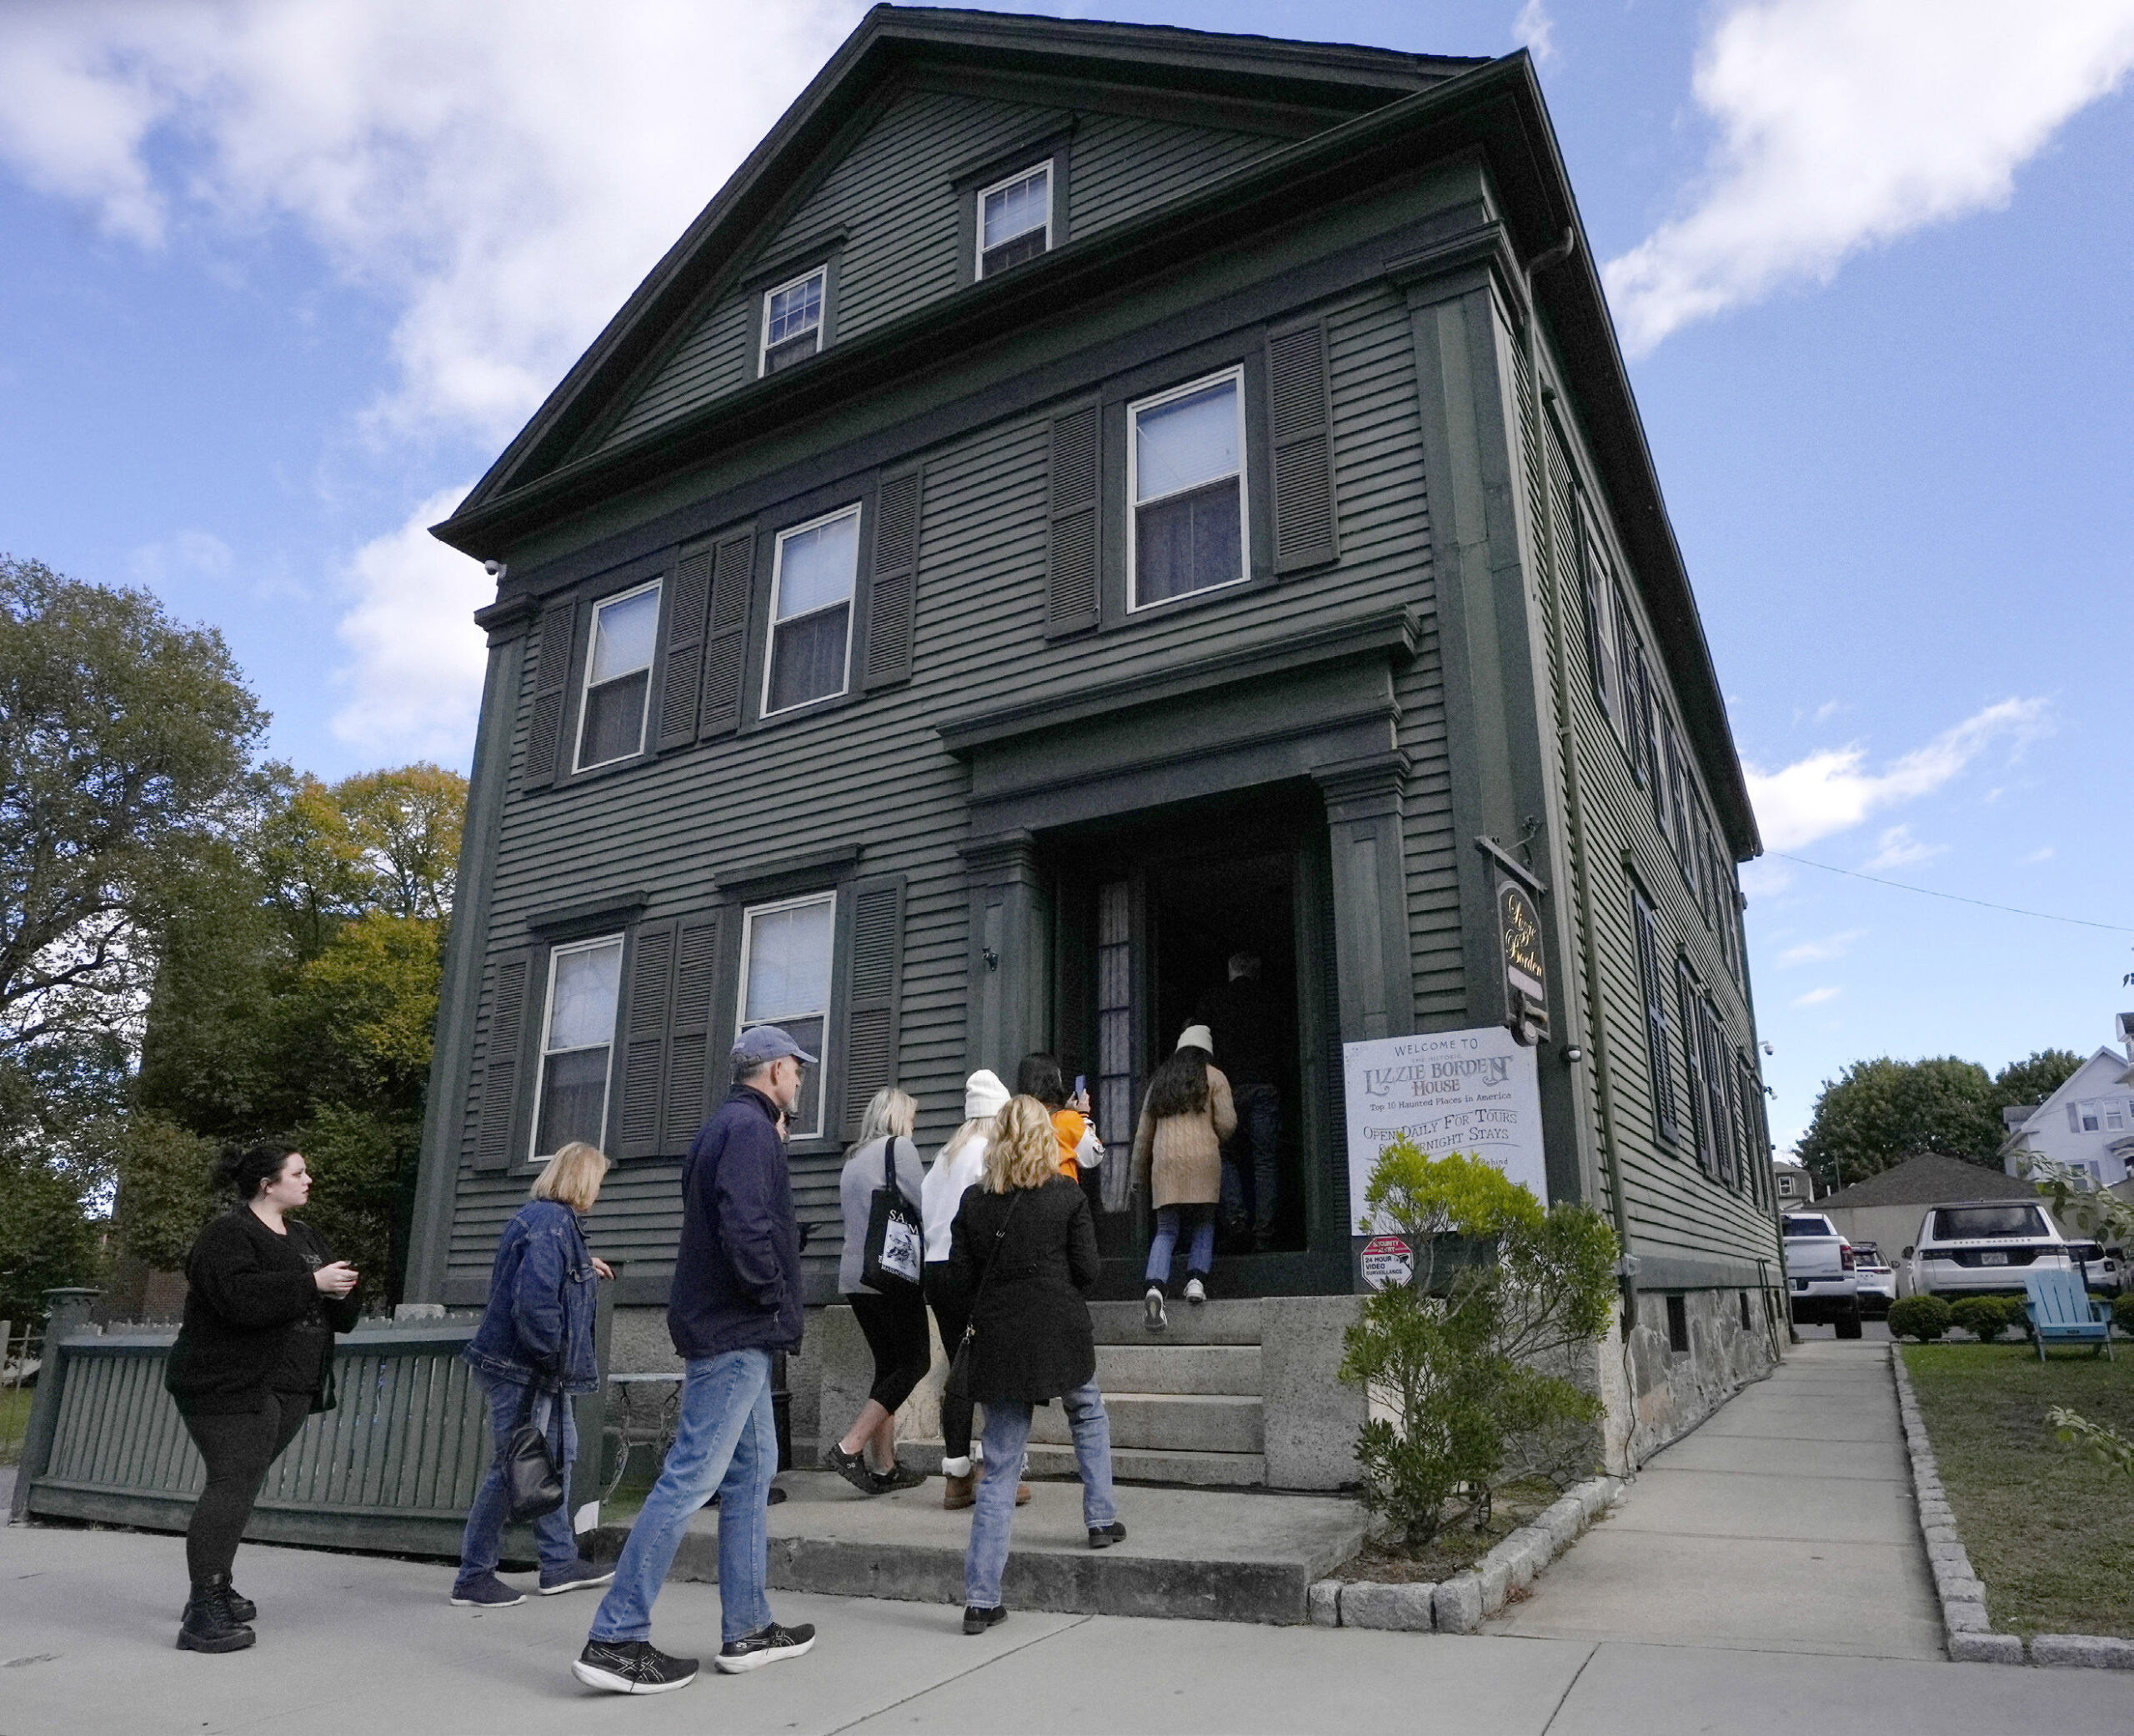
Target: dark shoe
{"points": [[579, 1576], [752, 1651], [977, 1620], [208, 1625], [486, 1592], [1103, 1537], [897, 1477], [632, 1666], [240, 1609], [960, 1492], [852, 1467]]}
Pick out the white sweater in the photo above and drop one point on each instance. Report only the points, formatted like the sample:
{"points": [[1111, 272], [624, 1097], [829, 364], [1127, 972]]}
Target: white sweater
{"points": [[948, 1179]]}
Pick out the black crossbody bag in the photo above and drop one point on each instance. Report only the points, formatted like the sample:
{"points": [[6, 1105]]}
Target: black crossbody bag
{"points": [[958, 1385]]}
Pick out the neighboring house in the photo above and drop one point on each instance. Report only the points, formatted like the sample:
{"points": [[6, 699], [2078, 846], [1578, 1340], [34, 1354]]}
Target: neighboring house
{"points": [[1888, 1208], [1082, 501], [1791, 1183], [2088, 1123]]}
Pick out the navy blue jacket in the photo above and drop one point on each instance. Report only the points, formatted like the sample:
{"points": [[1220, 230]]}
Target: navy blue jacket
{"points": [[737, 1271], [538, 1328]]}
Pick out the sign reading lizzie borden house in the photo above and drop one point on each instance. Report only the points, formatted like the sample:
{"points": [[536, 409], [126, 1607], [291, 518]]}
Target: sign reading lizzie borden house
{"points": [[1472, 1092]]}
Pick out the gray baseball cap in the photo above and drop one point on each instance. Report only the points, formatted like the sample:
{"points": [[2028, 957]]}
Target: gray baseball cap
{"points": [[767, 1042]]}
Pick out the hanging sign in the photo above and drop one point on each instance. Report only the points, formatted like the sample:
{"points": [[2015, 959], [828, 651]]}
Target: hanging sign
{"points": [[1525, 974], [1476, 1092]]}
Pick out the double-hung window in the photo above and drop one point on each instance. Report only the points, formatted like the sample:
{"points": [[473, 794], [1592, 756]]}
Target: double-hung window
{"points": [[1599, 629], [785, 981], [1015, 219], [793, 320], [619, 677], [1654, 989], [812, 580], [1185, 478], [578, 1033]]}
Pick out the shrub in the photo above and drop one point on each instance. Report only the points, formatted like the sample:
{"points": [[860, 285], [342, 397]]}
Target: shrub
{"points": [[1985, 1318], [1923, 1317], [2122, 1314]]}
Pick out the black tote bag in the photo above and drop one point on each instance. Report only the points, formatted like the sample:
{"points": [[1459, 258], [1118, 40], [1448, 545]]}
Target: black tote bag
{"points": [[533, 1484], [896, 1238]]}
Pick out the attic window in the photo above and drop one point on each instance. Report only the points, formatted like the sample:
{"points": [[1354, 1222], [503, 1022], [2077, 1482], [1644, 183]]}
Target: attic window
{"points": [[1015, 219], [793, 321]]}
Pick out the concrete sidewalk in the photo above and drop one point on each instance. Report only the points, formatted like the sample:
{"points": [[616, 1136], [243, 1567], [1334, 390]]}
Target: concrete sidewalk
{"points": [[1785, 1524], [365, 1643]]}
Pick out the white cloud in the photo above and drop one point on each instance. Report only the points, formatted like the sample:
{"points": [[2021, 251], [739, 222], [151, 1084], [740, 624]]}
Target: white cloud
{"points": [[1843, 125], [189, 552], [1817, 996], [500, 172], [1896, 847], [1832, 790], [2043, 854], [416, 659], [1817, 952], [1535, 30]]}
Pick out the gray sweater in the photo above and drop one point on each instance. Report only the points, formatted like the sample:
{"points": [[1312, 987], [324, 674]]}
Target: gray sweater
{"points": [[855, 1193]]}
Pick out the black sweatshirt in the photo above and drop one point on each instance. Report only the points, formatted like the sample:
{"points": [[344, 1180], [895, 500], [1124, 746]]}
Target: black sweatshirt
{"points": [[255, 1320]]}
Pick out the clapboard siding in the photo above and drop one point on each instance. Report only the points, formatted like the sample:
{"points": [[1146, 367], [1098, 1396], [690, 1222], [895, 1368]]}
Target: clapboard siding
{"points": [[891, 195]]}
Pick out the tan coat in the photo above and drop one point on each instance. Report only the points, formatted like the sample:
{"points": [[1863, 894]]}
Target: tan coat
{"points": [[1186, 1151]]}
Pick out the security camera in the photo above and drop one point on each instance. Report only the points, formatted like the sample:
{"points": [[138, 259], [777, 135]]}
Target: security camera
{"points": [[495, 569]]}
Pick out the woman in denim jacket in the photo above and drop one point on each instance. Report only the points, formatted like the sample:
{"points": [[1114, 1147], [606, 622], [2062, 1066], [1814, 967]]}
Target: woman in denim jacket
{"points": [[537, 1332]]}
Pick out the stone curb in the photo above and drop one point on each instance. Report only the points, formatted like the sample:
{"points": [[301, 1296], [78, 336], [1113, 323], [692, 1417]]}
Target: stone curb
{"points": [[1970, 1636], [1460, 1605]]}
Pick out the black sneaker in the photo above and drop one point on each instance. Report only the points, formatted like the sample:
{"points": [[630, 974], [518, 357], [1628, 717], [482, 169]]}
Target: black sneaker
{"points": [[632, 1666], [486, 1592], [977, 1620], [897, 1477], [752, 1651], [1103, 1537], [579, 1576], [852, 1467]]}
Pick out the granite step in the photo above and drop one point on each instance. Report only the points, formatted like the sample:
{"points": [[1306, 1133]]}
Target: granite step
{"points": [[1175, 1422], [1129, 1465], [1159, 1368], [1212, 1323]]}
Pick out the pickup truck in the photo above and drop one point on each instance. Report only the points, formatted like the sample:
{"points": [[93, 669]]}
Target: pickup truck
{"points": [[1820, 1283]]}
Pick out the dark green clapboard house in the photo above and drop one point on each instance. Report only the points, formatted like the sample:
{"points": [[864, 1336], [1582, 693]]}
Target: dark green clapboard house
{"points": [[1084, 500]]}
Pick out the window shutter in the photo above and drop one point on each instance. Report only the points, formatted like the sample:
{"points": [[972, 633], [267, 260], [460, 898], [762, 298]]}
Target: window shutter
{"points": [[511, 987], [680, 690], [1300, 442], [644, 1040], [891, 600], [551, 676], [1071, 561], [726, 639], [874, 987], [696, 976], [1657, 1047]]}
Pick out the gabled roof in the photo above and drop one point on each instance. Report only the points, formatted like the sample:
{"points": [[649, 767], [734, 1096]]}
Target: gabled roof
{"points": [[1379, 112], [1926, 1179], [2105, 1070]]}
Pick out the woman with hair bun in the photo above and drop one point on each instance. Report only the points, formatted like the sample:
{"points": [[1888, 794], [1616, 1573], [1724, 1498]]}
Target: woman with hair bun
{"points": [[254, 1357]]}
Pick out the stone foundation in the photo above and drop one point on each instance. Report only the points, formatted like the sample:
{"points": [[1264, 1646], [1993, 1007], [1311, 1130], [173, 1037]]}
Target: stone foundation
{"points": [[1655, 1393]]}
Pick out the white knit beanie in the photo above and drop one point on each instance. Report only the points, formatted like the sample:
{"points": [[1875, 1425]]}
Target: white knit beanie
{"points": [[984, 1095], [1197, 1037]]}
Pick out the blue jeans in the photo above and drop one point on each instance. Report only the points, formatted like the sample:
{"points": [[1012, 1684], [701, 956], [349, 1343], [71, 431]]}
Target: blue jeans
{"points": [[1260, 1126], [1200, 1256], [1007, 1435], [492, 1509], [727, 1443]]}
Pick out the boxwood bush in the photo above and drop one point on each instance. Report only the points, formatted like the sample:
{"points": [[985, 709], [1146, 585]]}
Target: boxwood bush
{"points": [[2122, 1314], [1985, 1318], [1923, 1317]]}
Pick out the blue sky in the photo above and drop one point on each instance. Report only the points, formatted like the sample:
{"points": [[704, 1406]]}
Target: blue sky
{"points": [[278, 280]]}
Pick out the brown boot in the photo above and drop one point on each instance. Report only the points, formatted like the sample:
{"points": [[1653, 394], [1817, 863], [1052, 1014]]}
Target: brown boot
{"points": [[1022, 1494], [960, 1492]]}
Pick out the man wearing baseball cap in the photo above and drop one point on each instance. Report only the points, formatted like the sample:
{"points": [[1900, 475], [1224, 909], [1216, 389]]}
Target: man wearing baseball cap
{"points": [[735, 1301]]}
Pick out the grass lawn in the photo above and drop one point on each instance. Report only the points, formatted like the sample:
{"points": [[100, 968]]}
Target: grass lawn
{"points": [[2048, 1529], [14, 1422]]}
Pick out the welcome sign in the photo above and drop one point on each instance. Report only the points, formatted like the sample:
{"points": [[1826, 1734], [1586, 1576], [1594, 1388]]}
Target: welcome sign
{"points": [[1477, 1092]]}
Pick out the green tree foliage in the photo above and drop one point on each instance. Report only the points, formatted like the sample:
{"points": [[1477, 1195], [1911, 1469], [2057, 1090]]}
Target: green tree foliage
{"points": [[1472, 1357], [2037, 1077], [1878, 1113]]}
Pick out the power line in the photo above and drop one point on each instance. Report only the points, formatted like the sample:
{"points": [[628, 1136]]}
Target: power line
{"points": [[1928, 892]]}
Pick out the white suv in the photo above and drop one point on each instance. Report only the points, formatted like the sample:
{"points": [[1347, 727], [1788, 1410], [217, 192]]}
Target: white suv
{"points": [[1982, 1246]]}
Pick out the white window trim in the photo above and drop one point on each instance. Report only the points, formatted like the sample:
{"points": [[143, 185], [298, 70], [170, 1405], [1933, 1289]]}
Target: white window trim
{"points": [[586, 682], [536, 1155], [742, 1022], [1134, 502], [851, 609], [978, 208], [763, 319]]}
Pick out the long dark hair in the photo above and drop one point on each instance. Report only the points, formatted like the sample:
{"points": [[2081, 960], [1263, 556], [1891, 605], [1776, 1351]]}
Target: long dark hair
{"points": [[1040, 1076], [1179, 1086], [247, 1167]]}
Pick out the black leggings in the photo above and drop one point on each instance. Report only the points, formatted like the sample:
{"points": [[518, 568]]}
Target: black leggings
{"points": [[951, 1306], [238, 1447], [896, 1333]]}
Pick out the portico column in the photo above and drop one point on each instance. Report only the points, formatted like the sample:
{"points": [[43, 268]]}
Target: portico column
{"points": [[1377, 976], [1010, 966]]}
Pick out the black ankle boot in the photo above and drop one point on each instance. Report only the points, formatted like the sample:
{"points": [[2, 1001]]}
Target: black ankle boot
{"points": [[209, 1625], [240, 1608]]}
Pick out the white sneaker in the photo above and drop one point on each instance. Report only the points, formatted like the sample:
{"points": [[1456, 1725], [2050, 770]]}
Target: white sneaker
{"points": [[1195, 1292], [1154, 1304]]}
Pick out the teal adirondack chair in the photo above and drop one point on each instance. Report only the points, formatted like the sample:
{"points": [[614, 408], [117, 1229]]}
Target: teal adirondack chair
{"points": [[2061, 1312]]}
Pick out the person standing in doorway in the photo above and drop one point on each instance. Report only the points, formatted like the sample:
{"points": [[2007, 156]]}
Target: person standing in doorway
{"points": [[895, 1326], [533, 1350], [1246, 1022], [1177, 1146], [254, 1357], [735, 1302], [1024, 1248]]}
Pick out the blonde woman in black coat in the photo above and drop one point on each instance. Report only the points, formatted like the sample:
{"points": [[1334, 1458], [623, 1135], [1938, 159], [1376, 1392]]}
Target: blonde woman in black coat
{"points": [[1025, 1235]]}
